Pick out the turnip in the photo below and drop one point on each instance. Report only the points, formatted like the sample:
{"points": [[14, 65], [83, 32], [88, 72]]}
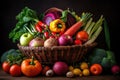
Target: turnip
{"points": [[50, 42]]}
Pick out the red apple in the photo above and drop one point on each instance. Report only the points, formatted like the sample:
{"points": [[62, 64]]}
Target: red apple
{"points": [[36, 42], [115, 69], [25, 39]]}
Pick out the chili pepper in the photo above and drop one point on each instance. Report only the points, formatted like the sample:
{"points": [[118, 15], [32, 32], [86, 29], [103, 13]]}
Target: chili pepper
{"points": [[57, 26], [41, 24], [38, 28], [46, 34]]}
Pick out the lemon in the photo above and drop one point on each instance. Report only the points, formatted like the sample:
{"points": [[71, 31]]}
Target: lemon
{"points": [[76, 71], [86, 72], [84, 65]]}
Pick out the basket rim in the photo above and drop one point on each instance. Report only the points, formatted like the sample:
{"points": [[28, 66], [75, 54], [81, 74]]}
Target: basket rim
{"points": [[61, 47]]}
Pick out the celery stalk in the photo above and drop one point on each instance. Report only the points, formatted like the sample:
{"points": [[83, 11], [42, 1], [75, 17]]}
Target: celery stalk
{"points": [[90, 28], [97, 25], [88, 24], [94, 36]]}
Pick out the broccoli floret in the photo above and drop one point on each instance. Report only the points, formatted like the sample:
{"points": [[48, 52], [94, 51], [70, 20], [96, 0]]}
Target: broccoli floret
{"points": [[104, 57]]}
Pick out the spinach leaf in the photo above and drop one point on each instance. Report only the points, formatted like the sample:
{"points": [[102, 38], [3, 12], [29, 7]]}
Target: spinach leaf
{"points": [[24, 18]]}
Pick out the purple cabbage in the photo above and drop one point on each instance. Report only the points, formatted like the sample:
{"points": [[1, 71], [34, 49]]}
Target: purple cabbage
{"points": [[55, 13]]}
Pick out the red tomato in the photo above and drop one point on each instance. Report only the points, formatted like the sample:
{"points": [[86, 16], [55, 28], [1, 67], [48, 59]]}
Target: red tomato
{"points": [[82, 35], [31, 67], [15, 70], [96, 69], [6, 66], [78, 42]]}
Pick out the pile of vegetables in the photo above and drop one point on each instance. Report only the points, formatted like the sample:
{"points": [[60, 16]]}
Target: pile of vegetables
{"points": [[57, 27], [54, 23]]}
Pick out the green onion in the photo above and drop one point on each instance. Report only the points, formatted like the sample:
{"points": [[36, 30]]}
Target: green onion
{"points": [[88, 24], [94, 36]]}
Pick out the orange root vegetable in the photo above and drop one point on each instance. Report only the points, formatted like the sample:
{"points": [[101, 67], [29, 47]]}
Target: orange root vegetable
{"points": [[74, 28]]}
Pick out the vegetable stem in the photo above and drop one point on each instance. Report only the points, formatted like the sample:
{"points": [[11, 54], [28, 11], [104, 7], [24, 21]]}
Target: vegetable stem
{"points": [[96, 26], [32, 61], [88, 24], [90, 28], [94, 36]]}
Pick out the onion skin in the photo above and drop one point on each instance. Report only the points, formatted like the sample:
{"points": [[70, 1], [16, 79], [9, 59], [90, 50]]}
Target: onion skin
{"points": [[60, 68], [65, 40]]}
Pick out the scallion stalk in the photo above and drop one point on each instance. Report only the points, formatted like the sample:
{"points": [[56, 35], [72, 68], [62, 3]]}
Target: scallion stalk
{"points": [[94, 36]]}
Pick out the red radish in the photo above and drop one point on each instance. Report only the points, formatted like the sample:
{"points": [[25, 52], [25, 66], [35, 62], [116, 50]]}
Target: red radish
{"points": [[115, 69], [74, 28]]}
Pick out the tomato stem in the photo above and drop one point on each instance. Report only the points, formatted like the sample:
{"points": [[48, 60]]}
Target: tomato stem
{"points": [[32, 61]]}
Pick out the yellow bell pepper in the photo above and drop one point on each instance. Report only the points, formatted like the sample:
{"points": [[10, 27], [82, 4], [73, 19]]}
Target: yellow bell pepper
{"points": [[57, 26]]}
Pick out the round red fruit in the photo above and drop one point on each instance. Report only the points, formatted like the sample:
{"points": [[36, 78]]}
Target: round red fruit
{"points": [[96, 69], [15, 70], [6, 66], [82, 35]]}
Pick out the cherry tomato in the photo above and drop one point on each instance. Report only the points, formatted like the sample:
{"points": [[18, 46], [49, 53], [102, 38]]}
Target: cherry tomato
{"points": [[78, 42], [15, 70], [82, 35], [45, 69], [6, 66], [46, 34]]}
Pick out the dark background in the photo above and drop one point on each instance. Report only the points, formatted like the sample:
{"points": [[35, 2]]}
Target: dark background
{"points": [[109, 8]]}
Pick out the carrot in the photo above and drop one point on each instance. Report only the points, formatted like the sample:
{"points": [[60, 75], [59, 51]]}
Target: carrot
{"points": [[74, 28]]}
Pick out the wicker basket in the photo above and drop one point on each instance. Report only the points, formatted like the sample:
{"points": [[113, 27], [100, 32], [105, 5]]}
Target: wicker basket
{"points": [[69, 54]]}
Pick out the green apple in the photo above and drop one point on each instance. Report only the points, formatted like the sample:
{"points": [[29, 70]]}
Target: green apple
{"points": [[25, 39]]}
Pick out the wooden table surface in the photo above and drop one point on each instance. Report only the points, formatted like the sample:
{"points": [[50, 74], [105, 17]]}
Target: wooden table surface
{"points": [[5, 76]]}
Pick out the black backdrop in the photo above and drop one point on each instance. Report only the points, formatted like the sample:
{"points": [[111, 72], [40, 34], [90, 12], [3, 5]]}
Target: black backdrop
{"points": [[110, 9]]}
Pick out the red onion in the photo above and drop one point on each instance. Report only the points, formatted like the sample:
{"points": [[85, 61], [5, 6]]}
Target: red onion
{"points": [[115, 69], [60, 68], [65, 40]]}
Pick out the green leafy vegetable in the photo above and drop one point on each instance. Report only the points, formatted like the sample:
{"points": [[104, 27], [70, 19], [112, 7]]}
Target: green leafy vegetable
{"points": [[15, 59], [13, 56], [24, 18]]}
